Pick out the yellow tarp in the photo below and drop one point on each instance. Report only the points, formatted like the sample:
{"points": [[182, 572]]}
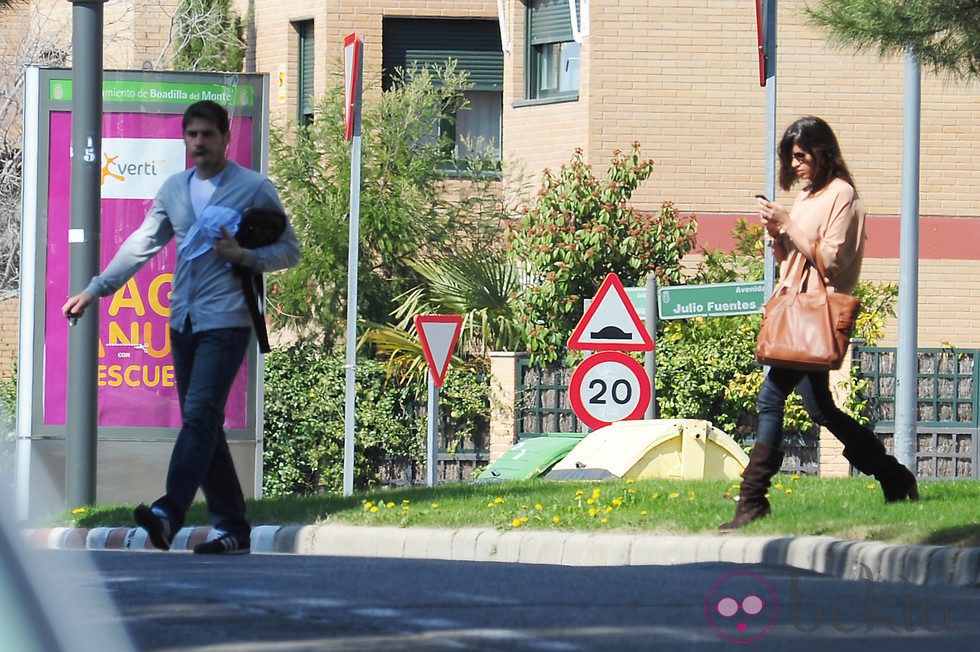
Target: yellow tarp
{"points": [[655, 448]]}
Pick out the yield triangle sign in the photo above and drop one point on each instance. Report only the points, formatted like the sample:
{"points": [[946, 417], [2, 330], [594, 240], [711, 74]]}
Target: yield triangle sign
{"points": [[610, 323], [438, 335]]}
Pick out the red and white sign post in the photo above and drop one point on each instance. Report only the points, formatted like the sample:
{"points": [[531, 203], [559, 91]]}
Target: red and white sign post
{"points": [[438, 335], [353, 47], [610, 386]]}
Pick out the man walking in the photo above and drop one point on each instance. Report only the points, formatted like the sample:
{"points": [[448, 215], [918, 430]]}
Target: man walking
{"points": [[210, 323]]}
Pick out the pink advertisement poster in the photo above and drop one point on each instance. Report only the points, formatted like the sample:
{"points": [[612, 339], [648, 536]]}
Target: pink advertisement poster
{"points": [[135, 372]]}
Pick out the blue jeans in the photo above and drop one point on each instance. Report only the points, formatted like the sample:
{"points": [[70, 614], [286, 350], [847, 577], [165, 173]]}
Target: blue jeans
{"points": [[205, 366], [814, 388]]}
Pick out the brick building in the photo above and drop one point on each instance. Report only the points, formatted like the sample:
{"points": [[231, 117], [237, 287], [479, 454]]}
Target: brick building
{"points": [[680, 77]]}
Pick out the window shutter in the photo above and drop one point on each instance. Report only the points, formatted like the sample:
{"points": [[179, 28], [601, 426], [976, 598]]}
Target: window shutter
{"points": [[549, 21], [305, 65], [475, 44]]}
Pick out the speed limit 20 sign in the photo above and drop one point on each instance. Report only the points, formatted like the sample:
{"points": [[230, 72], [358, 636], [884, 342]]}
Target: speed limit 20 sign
{"points": [[607, 387]]}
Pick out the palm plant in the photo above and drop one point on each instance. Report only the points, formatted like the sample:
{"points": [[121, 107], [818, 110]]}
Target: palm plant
{"points": [[474, 284]]}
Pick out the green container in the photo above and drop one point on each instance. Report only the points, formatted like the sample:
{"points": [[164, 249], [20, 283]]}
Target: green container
{"points": [[531, 457]]}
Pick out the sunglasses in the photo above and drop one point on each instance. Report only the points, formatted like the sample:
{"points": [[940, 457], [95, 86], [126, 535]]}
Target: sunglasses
{"points": [[800, 156]]}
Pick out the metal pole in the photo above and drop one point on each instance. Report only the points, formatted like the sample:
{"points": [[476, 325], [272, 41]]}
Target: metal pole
{"points": [[650, 358], [84, 244], [353, 243], [906, 363], [769, 274], [431, 439]]}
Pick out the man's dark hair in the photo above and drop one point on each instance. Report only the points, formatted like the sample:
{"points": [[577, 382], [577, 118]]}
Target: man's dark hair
{"points": [[815, 137], [207, 110]]}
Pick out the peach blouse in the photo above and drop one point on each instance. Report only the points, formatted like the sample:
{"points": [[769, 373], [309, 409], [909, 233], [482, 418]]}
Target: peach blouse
{"points": [[833, 218]]}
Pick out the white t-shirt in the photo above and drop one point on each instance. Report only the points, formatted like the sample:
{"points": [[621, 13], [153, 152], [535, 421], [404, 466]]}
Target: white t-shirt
{"points": [[201, 191]]}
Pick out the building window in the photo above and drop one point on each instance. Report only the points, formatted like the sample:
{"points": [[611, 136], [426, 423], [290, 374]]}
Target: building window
{"points": [[304, 68], [553, 55], [475, 45]]}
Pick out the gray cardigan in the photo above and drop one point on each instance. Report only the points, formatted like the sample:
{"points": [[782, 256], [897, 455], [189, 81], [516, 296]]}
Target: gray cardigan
{"points": [[204, 289]]}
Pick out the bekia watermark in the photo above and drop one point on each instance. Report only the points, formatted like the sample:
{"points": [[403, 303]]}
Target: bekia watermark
{"points": [[849, 613], [743, 607]]}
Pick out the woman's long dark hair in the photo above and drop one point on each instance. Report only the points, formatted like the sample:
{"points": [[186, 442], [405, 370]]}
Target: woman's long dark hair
{"points": [[815, 137]]}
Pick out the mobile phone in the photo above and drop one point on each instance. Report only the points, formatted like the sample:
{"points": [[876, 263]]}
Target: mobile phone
{"points": [[762, 197]]}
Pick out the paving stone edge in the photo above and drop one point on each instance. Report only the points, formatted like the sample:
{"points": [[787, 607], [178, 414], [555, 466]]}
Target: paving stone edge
{"points": [[920, 565]]}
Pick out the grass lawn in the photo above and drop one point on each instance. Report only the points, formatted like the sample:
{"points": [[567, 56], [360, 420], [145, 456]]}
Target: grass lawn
{"points": [[847, 508]]}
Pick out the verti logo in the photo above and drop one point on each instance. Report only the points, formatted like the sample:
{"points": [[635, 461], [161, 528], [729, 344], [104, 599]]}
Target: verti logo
{"points": [[134, 168], [741, 607]]}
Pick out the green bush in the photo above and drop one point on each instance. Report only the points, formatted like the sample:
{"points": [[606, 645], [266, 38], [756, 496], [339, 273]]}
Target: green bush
{"points": [[578, 230], [8, 425], [304, 419]]}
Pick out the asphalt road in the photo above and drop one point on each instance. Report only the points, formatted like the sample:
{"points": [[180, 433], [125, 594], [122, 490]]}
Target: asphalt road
{"points": [[180, 601]]}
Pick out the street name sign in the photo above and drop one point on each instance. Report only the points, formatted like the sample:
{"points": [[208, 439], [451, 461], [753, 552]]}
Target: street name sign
{"points": [[709, 300]]}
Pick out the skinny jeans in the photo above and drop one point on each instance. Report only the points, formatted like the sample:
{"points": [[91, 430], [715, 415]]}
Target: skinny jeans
{"points": [[814, 388], [205, 366]]}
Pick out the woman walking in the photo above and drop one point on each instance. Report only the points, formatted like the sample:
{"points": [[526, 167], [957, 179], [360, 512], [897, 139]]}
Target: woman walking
{"points": [[825, 229]]}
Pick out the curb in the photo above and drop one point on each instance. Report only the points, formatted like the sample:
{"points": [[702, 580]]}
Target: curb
{"points": [[852, 560]]}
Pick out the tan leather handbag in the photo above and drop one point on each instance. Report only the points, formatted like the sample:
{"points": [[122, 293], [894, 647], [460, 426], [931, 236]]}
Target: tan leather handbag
{"points": [[806, 330]]}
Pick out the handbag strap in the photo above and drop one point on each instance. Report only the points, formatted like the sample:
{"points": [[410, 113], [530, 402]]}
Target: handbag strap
{"points": [[821, 270]]}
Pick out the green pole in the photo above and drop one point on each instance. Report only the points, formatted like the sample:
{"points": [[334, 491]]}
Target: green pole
{"points": [[84, 243]]}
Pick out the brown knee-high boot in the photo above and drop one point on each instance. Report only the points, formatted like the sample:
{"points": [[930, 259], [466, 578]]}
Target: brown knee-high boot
{"points": [[764, 462], [868, 456]]}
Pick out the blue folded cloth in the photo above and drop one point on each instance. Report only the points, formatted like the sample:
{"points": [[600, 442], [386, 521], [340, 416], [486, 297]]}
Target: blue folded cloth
{"points": [[202, 234]]}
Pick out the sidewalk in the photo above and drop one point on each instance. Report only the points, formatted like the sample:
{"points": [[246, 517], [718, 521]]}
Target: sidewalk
{"points": [[916, 564]]}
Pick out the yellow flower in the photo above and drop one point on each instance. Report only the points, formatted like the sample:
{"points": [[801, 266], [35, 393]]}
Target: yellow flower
{"points": [[643, 513], [590, 501], [788, 490], [490, 504], [555, 518], [632, 491], [630, 481], [389, 504], [596, 492], [778, 485], [673, 495], [516, 522], [538, 506], [523, 506], [368, 505], [607, 510], [498, 500], [871, 486], [617, 501], [794, 477], [374, 509], [593, 511], [603, 521], [655, 495], [579, 492], [405, 502], [435, 505], [524, 519], [690, 496], [78, 510]]}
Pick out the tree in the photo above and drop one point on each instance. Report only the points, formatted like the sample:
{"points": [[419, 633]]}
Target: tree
{"points": [[579, 229], [207, 35], [943, 34], [34, 46], [413, 206]]}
